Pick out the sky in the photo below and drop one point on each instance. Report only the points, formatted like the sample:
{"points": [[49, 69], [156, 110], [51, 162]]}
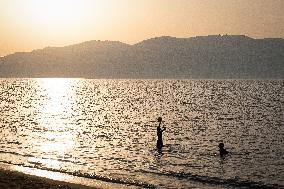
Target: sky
{"points": [[33, 24]]}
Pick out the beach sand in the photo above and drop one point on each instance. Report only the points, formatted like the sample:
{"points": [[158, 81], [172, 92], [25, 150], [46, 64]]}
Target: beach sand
{"points": [[18, 177], [17, 180]]}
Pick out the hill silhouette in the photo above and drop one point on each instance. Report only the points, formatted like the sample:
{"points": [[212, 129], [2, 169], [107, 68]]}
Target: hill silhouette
{"points": [[212, 57]]}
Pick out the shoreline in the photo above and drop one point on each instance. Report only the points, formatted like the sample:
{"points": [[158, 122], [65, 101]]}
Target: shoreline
{"points": [[13, 179], [17, 177]]}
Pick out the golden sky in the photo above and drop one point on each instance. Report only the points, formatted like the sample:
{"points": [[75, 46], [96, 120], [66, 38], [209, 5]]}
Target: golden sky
{"points": [[33, 24]]}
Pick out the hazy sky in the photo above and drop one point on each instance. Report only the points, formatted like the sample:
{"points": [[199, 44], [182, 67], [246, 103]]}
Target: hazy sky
{"points": [[32, 24]]}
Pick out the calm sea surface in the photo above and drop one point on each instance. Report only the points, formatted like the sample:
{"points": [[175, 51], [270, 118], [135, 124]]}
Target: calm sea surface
{"points": [[106, 130]]}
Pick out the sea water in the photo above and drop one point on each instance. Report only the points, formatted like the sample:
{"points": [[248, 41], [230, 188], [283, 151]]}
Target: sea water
{"points": [[106, 130]]}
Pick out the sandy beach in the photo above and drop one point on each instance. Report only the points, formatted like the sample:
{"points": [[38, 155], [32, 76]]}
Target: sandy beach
{"points": [[18, 177], [17, 180]]}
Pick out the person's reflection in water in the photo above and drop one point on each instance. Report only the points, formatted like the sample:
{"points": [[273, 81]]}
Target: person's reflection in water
{"points": [[160, 153], [160, 134], [222, 150]]}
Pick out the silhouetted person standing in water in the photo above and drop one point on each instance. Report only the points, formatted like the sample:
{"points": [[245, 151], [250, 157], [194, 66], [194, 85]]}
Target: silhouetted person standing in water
{"points": [[160, 134], [222, 150]]}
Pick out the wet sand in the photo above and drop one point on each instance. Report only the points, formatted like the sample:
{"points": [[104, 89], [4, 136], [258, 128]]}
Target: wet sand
{"points": [[17, 180], [19, 177]]}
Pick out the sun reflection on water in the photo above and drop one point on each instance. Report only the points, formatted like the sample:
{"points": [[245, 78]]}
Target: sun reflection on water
{"points": [[59, 92], [59, 146], [55, 137]]}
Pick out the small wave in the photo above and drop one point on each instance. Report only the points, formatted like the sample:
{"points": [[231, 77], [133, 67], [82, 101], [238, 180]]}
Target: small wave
{"points": [[218, 181], [128, 182], [14, 142], [42, 158], [15, 153]]}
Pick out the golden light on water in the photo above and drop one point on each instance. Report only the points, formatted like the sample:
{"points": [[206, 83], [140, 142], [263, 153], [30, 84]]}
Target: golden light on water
{"points": [[57, 142], [55, 136], [59, 93], [49, 162]]}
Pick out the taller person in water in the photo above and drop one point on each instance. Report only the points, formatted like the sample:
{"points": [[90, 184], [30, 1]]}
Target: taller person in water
{"points": [[160, 134]]}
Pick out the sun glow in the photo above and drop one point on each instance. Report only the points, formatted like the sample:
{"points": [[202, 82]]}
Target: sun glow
{"points": [[57, 21], [56, 13]]}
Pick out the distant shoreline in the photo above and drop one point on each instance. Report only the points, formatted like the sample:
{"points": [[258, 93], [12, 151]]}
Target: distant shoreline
{"points": [[135, 43], [212, 57]]}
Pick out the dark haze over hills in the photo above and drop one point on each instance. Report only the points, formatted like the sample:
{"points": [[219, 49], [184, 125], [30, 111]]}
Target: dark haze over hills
{"points": [[163, 57]]}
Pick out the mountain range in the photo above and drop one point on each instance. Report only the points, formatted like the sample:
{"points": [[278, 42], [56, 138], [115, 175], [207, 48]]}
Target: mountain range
{"points": [[203, 57]]}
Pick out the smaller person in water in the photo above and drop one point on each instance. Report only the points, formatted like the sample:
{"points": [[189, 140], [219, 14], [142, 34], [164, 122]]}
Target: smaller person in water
{"points": [[222, 150], [160, 134]]}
